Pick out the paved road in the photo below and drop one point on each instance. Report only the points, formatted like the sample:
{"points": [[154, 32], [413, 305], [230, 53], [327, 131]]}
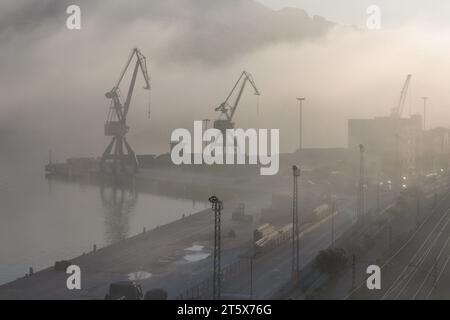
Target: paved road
{"points": [[273, 270], [420, 268]]}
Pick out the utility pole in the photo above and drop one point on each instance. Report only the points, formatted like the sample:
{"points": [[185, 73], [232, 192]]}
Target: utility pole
{"points": [[353, 271], [435, 196], [397, 167], [295, 226], [217, 207], [360, 208], [378, 192], [251, 277], [300, 124], [250, 256], [50, 156], [425, 100], [333, 210], [390, 239], [417, 206]]}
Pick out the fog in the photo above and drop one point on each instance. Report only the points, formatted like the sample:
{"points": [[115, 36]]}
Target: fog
{"points": [[53, 80]]}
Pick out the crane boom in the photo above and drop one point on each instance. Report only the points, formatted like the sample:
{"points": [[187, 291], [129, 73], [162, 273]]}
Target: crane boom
{"points": [[227, 109], [398, 111], [142, 63]]}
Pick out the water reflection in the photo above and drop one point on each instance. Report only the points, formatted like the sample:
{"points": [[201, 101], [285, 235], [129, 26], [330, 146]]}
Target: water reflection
{"points": [[119, 203]]}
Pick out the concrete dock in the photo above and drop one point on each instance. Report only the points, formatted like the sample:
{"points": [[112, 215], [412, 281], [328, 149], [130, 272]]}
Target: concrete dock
{"points": [[159, 253]]}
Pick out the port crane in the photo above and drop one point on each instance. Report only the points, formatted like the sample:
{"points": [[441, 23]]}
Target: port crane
{"points": [[119, 150], [228, 108], [398, 111]]}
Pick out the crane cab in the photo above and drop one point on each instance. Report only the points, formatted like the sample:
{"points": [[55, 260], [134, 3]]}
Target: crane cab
{"points": [[116, 128], [223, 125]]}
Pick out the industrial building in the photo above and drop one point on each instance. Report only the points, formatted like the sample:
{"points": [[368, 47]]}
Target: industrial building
{"points": [[436, 150], [392, 144]]}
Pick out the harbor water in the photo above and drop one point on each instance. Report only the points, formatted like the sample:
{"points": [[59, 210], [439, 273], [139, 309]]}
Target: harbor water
{"points": [[42, 221]]}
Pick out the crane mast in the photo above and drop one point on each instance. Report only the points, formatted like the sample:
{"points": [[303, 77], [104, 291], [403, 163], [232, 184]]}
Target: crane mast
{"points": [[228, 108], [119, 150]]}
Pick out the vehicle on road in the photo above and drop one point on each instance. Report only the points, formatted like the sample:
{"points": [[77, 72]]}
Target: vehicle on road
{"points": [[124, 290]]}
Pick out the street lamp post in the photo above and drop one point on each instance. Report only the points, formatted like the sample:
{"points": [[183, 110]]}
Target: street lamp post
{"points": [[251, 277], [250, 256], [300, 125], [361, 205], [333, 210], [217, 207], [425, 99], [295, 226]]}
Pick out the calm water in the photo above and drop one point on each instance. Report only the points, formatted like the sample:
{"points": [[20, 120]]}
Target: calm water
{"points": [[43, 221]]}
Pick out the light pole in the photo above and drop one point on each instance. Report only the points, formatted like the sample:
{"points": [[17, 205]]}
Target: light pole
{"points": [[295, 226], [417, 206], [217, 207], [250, 256], [333, 210], [378, 192], [398, 175], [425, 100], [300, 124], [360, 208], [251, 278]]}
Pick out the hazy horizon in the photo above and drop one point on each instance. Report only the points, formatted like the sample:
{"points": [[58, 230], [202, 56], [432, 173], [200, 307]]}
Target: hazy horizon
{"points": [[53, 80]]}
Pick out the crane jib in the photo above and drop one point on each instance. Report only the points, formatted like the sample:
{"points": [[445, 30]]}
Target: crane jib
{"points": [[228, 108]]}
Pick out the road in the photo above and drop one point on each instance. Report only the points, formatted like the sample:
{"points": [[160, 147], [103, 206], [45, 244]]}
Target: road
{"points": [[273, 270], [419, 269]]}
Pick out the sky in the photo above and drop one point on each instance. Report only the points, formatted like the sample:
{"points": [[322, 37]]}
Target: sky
{"points": [[53, 80], [353, 12]]}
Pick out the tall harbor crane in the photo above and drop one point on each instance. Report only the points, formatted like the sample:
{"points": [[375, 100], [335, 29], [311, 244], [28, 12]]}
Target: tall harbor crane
{"points": [[228, 108], [116, 121], [398, 111]]}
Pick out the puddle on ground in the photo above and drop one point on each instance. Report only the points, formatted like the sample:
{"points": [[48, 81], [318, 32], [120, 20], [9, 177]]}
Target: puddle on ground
{"points": [[194, 253], [139, 275], [194, 257], [196, 248]]}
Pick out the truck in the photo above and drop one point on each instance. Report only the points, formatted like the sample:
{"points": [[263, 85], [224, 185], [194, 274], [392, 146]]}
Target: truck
{"points": [[124, 290]]}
